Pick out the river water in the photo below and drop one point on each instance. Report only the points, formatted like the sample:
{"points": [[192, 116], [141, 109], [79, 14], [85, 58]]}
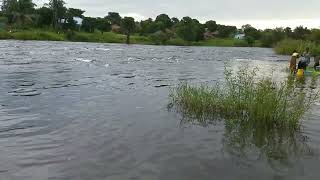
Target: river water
{"points": [[84, 111]]}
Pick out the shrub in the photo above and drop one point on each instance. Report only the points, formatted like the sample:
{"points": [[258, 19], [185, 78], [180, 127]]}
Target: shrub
{"points": [[159, 38], [5, 35], [77, 37], [242, 99]]}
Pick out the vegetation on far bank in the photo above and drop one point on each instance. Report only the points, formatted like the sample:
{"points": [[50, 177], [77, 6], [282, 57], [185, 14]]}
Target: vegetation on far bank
{"points": [[245, 100], [21, 19], [111, 37]]}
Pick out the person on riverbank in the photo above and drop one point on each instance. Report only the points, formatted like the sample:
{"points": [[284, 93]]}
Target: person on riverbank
{"points": [[293, 62]]}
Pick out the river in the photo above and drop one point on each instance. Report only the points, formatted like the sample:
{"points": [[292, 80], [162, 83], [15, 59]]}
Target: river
{"points": [[89, 111]]}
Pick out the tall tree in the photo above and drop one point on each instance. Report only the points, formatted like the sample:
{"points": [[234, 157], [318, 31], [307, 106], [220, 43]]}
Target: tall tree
{"points": [[45, 16], [175, 21], [103, 25], [252, 32], [190, 29], [211, 26], [226, 31], [9, 8], [70, 22], [315, 35], [58, 10], [164, 22], [75, 12], [301, 32], [18, 11], [114, 18], [88, 24], [146, 27], [288, 32], [26, 6], [128, 26]]}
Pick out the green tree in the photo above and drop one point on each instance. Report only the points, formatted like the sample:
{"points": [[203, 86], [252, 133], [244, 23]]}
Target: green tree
{"points": [[226, 31], [9, 6], [69, 22], [250, 40], [146, 27], [190, 29], [114, 18], [45, 16], [88, 24], [175, 21], [278, 34], [211, 25], [301, 32], [164, 22], [18, 12], [267, 39], [59, 11], [76, 12], [103, 25], [288, 32], [251, 32], [315, 35], [128, 26], [26, 6], [160, 37], [199, 30]]}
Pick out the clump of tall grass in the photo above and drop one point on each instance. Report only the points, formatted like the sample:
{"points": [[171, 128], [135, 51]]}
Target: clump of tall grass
{"points": [[5, 35], [244, 99], [287, 46]]}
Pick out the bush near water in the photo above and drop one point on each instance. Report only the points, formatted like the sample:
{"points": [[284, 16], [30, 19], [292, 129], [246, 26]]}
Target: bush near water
{"points": [[243, 99]]}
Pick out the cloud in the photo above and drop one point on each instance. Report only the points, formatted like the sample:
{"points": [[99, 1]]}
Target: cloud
{"points": [[136, 16]]}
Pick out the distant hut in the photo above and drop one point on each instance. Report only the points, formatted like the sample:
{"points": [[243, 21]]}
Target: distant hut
{"points": [[210, 35], [116, 28], [240, 36]]}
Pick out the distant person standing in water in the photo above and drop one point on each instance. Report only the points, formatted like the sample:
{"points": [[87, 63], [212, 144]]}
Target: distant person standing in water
{"points": [[306, 56], [316, 62], [293, 61]]}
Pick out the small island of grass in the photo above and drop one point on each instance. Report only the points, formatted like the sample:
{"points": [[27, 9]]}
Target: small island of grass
{"points": [[246, 101]]}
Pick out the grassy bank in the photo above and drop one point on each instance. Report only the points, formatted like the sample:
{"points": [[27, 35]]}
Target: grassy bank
{"points": [[286, 47], [229, 42], [242, 99], [109, 37]]}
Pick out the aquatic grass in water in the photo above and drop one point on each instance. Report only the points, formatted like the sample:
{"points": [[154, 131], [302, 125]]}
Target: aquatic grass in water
{"points": [[243, 99], [287, 46]]}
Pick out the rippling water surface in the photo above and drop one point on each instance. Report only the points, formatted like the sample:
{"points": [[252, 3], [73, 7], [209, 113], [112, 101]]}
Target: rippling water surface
{"points": [[80, 111]]}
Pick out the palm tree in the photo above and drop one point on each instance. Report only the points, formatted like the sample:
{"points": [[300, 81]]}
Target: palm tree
{"points": [[58, 10], [19, 12]]}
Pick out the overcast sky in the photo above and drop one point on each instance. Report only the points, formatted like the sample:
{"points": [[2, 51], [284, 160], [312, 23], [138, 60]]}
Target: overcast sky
{"points": [[259, 13]]}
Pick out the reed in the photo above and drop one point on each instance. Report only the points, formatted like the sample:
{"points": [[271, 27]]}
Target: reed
{"points": [[242, 98]]}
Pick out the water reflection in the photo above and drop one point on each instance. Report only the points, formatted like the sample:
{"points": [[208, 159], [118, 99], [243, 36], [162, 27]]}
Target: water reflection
{"points": [[249, 142], [280, 148]]}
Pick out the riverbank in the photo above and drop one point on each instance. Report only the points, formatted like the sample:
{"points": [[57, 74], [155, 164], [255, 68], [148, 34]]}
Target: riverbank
{"points": [[284, 47], [110, 37]]}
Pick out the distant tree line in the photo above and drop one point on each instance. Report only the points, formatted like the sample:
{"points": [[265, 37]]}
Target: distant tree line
{"points": [[54, 14]]}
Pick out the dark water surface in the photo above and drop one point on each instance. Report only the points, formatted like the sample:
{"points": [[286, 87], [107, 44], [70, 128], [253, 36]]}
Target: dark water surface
{"points": [[79, 111]]}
